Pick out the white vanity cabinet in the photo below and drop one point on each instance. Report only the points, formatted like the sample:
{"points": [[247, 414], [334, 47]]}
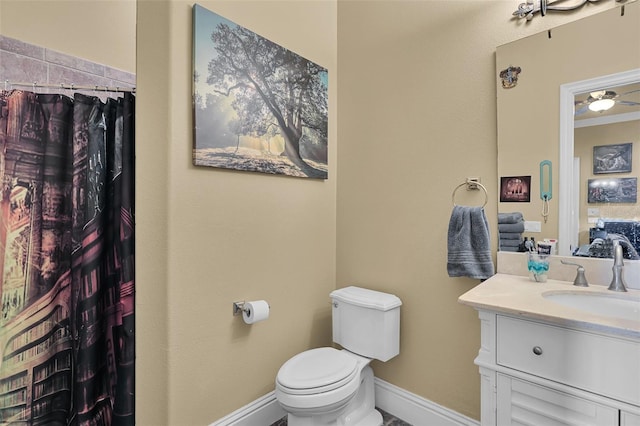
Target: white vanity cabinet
{"points": [[536, 372], [523, 403]]}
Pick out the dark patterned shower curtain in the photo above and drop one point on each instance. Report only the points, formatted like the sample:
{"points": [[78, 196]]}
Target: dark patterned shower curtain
{"points": [[66, 260]]}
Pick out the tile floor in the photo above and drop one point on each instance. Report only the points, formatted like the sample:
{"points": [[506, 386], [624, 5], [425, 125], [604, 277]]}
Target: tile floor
{"points": [[387, 419]]}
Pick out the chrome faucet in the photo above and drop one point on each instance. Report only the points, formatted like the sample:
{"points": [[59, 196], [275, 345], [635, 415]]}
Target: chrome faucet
{"points": [[617, 282]]}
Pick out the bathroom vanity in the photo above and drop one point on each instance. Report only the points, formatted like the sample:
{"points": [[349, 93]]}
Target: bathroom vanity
{"points": [[555, 354]]}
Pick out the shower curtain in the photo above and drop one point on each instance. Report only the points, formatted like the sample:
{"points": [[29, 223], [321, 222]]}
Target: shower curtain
{"points": [[66, 259]]}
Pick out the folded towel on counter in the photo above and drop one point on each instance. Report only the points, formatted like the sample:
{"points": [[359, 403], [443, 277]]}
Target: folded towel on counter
{"points": [[510, 235], [469, 244], [510, 243], [514, 217], [511, 227], [512, 249]]}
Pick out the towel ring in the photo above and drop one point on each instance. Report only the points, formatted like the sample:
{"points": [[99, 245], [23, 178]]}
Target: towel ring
{"points": [[470, 186]]}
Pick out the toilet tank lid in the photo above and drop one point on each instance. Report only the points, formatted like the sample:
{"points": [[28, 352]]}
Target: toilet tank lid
{"points": [[366, 298]]}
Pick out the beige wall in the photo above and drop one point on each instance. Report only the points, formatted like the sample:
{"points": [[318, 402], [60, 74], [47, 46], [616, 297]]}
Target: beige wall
{"points": [[102, 31], [208, 237], [418, 116], [216, 236]]}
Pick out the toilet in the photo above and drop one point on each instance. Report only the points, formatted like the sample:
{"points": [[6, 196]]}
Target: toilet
{"points": [[334, 387]]}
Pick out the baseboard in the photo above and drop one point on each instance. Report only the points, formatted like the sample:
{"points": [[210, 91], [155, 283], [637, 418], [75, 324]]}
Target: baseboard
{"points": [[263, 411], [409, 407], [415, 409]]}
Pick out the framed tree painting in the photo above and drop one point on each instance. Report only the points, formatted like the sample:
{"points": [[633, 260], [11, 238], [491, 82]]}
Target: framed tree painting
{"points": [[257, 106]]}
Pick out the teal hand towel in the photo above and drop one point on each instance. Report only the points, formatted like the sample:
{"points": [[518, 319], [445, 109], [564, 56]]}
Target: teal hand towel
{"points": [[469, 244]]}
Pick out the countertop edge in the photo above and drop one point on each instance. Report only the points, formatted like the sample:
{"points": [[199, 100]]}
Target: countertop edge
{"points": [[517, 296]]}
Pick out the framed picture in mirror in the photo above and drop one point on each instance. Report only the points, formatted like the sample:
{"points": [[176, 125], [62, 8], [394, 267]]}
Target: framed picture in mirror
{"points": [[515, 189], [612, 190], [612, 158]]}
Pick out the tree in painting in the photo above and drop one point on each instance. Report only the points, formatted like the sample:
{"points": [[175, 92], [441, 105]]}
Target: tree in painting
{"points": [[264, 91]]}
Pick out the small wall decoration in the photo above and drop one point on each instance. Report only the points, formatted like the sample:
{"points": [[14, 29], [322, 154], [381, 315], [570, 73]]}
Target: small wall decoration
{"points": [[516, 189], [257, 106], [612, 190], [612, 158], [509, 77]]}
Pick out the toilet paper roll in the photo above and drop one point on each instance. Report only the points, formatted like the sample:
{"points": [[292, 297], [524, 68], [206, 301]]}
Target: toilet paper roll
{"points": [[257, 310]]}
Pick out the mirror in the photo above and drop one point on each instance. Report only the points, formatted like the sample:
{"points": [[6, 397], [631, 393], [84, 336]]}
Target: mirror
{"points": [[574, 216], [535, 116]]}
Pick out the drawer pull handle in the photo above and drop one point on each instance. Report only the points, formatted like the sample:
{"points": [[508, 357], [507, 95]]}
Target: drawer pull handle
{"points": [[537, 350]]}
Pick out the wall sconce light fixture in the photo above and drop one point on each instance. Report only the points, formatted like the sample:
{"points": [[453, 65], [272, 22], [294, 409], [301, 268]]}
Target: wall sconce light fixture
{"points": [[531, 7]]}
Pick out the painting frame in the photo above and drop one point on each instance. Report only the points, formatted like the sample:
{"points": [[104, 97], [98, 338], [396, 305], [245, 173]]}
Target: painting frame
{"points": [[515, 189], [257, 106], [615, 158], [612, 190]]}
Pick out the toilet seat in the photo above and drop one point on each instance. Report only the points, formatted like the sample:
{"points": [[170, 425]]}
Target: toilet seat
{"points": [[317, 371], [319, 380]]}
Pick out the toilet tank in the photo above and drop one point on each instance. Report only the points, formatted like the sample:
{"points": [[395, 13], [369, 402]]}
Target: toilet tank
{"points": [[366, 322]]}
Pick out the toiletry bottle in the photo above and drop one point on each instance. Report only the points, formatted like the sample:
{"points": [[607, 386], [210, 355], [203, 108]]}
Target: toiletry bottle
{"points": [[528, 245], [522, 247]]}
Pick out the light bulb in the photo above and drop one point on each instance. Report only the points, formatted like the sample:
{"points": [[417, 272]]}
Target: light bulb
{"points": [[601, 105]]}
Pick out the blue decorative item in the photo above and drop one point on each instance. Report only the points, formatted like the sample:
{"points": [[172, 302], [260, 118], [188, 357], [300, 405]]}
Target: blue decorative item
{"points": [[546, 180], [546, 183], [538, 266]]}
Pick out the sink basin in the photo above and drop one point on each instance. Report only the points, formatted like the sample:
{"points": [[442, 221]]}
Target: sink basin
{"points": [[621, 306]]}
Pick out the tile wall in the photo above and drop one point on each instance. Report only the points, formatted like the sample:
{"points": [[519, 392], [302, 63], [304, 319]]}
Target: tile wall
{"points": [[26, 63]]}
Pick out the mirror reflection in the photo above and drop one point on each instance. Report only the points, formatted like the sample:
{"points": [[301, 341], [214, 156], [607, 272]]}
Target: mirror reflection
{"points": [[606, 129], [563, 72]]}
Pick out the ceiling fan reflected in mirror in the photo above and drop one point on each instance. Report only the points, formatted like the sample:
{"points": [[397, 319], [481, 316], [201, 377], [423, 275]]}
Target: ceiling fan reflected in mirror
{"points": [[603, 100]]}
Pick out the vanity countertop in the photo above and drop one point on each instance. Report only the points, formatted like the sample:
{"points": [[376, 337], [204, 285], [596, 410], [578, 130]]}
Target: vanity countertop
{"points": [[517, 295]]}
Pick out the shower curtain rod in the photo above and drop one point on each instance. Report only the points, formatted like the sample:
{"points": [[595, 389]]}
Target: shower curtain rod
{"points": [[71, 86]]}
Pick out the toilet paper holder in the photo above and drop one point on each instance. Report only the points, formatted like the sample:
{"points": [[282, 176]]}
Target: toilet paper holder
{"points": [[252, 311], [238, 308]]}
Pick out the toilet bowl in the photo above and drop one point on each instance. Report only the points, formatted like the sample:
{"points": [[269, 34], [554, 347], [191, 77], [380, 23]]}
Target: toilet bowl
{"points": [[332, 387], [327, 386]]}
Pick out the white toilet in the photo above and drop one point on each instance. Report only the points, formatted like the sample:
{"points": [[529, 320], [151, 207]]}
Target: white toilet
{"points": [[327, 386]]}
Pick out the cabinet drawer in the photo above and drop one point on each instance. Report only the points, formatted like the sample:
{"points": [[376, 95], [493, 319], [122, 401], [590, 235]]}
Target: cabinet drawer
{"points": [[596, 363], [523, 403]]}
